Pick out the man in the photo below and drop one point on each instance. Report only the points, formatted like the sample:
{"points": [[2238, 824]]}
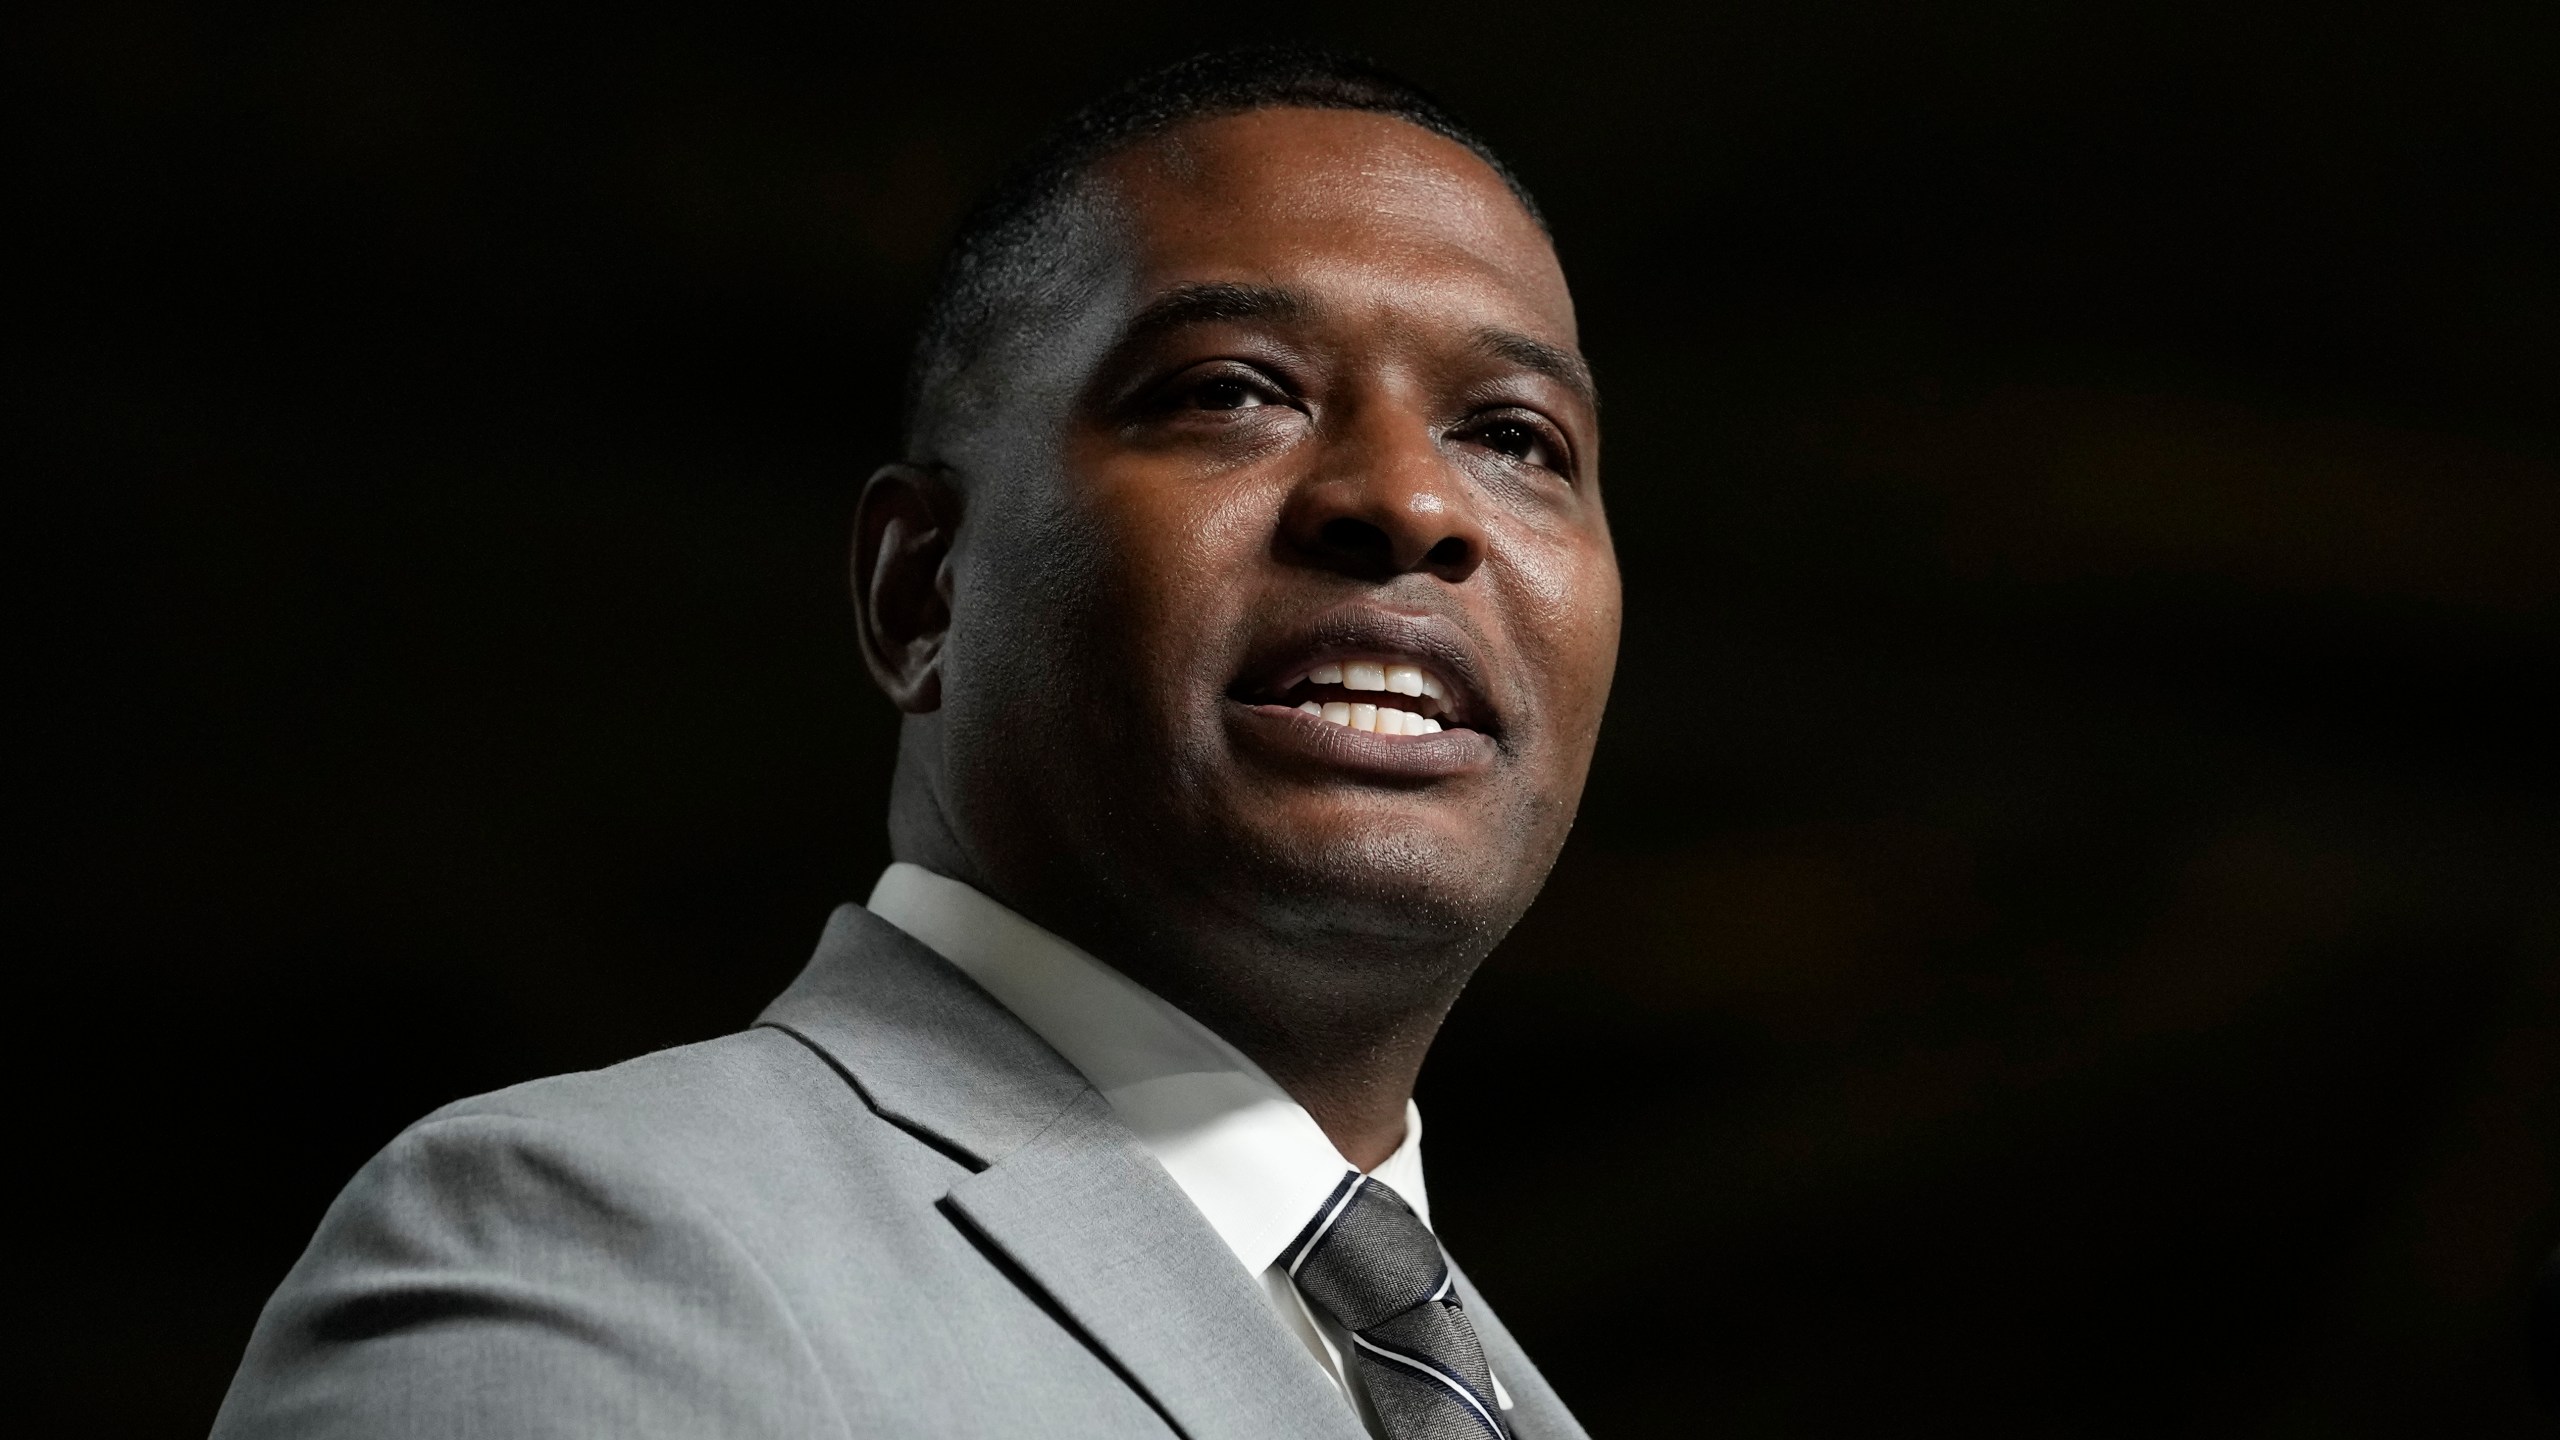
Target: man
{"points": [[1251, 608]]}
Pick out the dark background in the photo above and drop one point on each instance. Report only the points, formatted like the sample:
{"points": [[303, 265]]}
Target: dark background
{"points": [[2062, 939]]}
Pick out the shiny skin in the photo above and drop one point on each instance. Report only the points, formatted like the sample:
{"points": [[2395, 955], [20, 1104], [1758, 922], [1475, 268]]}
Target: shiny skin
{"points": [[1316, 393]]}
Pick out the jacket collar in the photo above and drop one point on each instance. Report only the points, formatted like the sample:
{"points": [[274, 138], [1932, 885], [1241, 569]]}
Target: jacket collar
{"points": [[1063, 1191], [1245, 1152], [927, 1048]]}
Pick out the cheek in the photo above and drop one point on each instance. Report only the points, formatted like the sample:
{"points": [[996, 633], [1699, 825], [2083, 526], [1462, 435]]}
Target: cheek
{"points": [[1180, 556], [1565, 605], [1017, 663]]}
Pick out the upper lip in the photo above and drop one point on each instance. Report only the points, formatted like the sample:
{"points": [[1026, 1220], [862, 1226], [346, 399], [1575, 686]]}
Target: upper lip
{"points": [[1434, 642]]}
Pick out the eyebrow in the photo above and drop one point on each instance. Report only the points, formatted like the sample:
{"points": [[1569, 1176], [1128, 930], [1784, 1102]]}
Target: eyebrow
{"points": [[1553, 361], [1196, 304], [1223, 300]]}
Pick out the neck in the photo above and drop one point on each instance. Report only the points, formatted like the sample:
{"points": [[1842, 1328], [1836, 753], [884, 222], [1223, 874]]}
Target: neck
{"points": [[1351, 1064], [1341, 1031]]}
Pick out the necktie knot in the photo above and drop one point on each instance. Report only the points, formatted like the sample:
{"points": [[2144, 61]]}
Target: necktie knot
{"points": [[1369, 1262], [1367, 1257]]}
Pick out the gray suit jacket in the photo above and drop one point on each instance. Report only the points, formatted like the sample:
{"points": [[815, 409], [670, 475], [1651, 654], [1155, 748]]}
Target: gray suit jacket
{"points": [[888, 1210]]}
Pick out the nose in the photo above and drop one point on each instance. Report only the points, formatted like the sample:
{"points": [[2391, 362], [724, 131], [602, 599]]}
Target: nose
{"points": [[1385, 501]]}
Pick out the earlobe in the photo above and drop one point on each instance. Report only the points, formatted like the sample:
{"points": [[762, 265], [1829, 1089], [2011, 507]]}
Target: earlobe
{"points": [[903, 528]]}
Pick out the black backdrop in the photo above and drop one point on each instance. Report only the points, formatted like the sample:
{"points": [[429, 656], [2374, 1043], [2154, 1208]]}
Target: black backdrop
{"points": [[2062, 937]]}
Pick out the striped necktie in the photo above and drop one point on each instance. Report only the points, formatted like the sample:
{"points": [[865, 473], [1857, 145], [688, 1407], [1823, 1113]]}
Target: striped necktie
{"points": [[1369, 1262]]}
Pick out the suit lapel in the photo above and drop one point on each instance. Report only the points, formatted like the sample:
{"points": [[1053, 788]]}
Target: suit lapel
{"points": [[1063, 1190], [1095, 1222]]}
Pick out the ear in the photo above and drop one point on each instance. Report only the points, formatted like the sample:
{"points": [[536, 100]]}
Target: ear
{"points": [[903, 527]]}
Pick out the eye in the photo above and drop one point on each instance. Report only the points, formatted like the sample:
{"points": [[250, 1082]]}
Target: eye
{"points": [[1520, 439], [1226, 390], [1219, 401]]}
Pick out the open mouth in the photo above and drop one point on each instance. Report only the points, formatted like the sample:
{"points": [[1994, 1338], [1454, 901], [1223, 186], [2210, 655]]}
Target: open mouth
{"points": [[1378, 696]]}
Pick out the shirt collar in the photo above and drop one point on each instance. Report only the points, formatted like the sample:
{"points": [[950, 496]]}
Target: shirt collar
{"points": [[1252, 1159]]}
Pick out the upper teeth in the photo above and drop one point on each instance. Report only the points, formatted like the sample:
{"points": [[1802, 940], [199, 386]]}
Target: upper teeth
{"points": [[1373, 675], [1380, 676]]}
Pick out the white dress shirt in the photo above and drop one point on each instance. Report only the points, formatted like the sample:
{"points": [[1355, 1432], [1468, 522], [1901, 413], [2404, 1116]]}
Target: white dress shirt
{"points": [[1253, 1160]]}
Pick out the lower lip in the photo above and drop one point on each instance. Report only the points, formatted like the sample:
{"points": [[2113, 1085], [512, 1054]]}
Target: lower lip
{"points": [[1294, 734]]}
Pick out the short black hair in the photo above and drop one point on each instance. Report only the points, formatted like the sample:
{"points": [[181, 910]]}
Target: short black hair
{"points": [[1009, 245]]}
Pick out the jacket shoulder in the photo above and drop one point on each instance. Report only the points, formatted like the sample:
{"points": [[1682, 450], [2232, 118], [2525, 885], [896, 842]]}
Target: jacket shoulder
{"points": [[542, 1260], [692, 1102]]}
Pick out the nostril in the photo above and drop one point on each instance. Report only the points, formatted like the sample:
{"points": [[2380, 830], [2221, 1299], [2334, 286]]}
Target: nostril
{"points": [[1450, 554], [1345, 535]]}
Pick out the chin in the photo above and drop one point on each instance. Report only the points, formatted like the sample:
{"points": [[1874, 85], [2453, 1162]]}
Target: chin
{"points": [[1412, 883]]}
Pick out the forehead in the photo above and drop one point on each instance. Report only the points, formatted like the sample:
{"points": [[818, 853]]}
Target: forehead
{"points": [[1365, 211]]}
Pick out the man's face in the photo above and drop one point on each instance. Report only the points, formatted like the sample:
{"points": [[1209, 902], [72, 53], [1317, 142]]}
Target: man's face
{"points": [[1317, 447]]}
